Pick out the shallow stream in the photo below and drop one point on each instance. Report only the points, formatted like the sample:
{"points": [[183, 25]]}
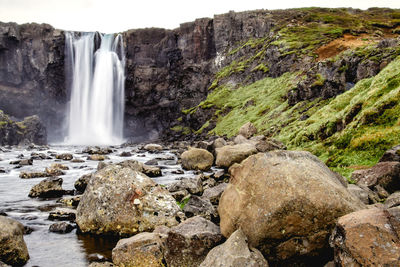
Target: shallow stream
{"points": [[47, 249]]}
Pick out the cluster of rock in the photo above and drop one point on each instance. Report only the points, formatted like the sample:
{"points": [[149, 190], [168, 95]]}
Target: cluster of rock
{"points": [[260, 207]]}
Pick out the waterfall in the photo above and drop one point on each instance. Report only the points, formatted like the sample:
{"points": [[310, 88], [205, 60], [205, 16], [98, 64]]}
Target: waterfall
{"points": [[97, 83]]}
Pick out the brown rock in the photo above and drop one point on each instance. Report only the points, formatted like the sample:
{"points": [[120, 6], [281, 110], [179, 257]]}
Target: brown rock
{"points": [[188, 243], [201, 207], [234, 252], [214, 193], [365, 238], [228, 155], [153, 147], [141, 250], [48, 188], [385, 174], [64, 156], [13, 249], [248, 130], [197, 159], [30, 175], [392, 154], [286, 202]]}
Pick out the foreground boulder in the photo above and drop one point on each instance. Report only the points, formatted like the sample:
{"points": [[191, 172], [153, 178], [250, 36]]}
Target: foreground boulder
{"points": [[197, 159], [120, 200], [286, 203], [392, 154], [13, 250], [144, 249], [366, 238], [234, 252], [228, 155], [48, 188], [189, 242]]}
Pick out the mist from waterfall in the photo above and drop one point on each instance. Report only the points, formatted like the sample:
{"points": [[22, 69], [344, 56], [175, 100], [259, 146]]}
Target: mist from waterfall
{"points": [[97, 85]]}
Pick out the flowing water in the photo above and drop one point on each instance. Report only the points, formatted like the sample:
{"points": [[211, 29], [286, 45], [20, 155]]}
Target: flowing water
{"points": [[97, 84], [49, 249]]}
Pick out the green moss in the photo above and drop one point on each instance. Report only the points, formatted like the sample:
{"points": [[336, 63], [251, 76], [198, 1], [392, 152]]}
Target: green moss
{"points": [[320, 80], [205, 125], [183, 203], [261, 67]]}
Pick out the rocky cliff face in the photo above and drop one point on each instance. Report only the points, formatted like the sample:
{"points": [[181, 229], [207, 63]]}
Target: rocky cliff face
{"points": [[170, 71], [32, 72]]}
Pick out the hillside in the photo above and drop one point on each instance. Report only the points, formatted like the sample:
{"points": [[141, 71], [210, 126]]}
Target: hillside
{"points": [[323, 80]]}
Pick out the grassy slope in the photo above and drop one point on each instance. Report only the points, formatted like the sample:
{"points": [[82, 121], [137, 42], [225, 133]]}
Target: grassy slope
{"points": [[347, 132]]}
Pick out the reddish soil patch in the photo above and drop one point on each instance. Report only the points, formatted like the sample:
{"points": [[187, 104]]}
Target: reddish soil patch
{"points": [[341, 44]]}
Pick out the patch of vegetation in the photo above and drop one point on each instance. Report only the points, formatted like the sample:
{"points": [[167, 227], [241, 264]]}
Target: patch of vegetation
{"points": [[348, 132], [182, 203]]}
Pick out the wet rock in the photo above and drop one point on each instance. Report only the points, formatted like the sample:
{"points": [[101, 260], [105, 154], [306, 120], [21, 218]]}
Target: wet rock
{"points": [[358, 192], [234, 252], [56, 169], [153, 147], [125, 154], [39, 156], [48, 188], [392, 154], [248, 130], [76, 160], [197, 206], [192, 185], [188, 243], [97, 157], [151, 171], [61, 228], [2, 170], [143, 249], [365, 238], [218, 174], [62, 214], [71, 201], [97, 150], [384, 174], [25, 162], [13, 249], [81, 183], [120, 200], [30, 175], [197, 159], [230, 154], [178, 172], [152, 162], [64, 156], [288, 217], [214, 193]]}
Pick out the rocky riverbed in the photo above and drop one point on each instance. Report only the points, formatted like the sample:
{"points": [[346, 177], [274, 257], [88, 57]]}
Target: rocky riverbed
{"points": [[47, 248]]}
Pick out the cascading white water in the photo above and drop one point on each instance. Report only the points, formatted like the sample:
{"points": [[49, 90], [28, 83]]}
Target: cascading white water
{"points": [[96, 110]]}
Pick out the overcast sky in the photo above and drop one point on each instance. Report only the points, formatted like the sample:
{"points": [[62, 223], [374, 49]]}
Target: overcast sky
{"points": [[120, 15]]}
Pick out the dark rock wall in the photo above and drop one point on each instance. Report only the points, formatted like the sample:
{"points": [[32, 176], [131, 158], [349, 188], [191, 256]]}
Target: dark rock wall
{"points": [[32, 72]]}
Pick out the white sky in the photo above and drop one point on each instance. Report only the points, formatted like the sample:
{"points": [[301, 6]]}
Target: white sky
{"points": [[121, 15]]}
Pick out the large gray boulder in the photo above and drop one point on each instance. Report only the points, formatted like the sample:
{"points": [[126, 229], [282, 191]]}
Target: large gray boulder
{"points": [[141, 250], [120, 200], [286, 203], [13, 250], [234, 252]]}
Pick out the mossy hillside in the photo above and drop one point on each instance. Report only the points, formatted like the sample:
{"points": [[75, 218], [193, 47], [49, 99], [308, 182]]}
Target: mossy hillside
{"points": [[348, 132], [298, 33]]}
